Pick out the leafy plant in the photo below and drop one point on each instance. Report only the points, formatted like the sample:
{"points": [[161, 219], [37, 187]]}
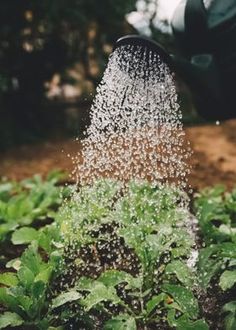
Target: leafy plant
{"points": [[117, 258], [33, 199], [229, 310], [25, 293], [154, 285], [216, 210]]}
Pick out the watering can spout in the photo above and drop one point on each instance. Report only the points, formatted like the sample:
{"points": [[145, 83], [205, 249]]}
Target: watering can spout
{"points": [[145, 43], [200, 73], [205, 32]]}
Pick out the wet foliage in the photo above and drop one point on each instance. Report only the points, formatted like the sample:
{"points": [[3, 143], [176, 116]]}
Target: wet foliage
{"points": [[216, 211], [103, 261], [119, 258]]}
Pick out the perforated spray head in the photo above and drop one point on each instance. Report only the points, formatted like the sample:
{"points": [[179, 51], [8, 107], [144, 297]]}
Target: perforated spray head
{"points": [[147, 45]]}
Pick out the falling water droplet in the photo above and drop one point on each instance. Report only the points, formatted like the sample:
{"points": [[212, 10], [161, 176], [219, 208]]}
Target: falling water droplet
{"points": [[136, 130]]}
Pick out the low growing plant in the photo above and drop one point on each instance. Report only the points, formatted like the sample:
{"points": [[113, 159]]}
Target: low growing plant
{"points": [[25, 294], [216, 210], [23, 203], [133, 248]]}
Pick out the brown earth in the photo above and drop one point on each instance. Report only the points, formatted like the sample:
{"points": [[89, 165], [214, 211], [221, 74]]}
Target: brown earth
{"points": [[214, 156]]}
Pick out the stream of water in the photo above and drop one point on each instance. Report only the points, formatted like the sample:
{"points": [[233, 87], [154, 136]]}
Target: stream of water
{"points": [[136, 130]]}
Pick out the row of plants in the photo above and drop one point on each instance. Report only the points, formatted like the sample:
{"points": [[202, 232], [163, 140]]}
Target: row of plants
{"points": [[32, 201], [109, 258], [216, 211]]}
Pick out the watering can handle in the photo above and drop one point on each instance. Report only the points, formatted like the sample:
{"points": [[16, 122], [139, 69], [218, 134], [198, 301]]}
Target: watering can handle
{"points": [[196, 27]]}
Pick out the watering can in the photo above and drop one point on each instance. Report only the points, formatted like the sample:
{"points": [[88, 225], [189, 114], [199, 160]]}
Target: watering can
{"points": [[206, 37]]}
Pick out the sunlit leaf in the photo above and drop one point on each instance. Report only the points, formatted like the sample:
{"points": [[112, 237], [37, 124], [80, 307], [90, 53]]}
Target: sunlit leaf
{"points": [[24, 235], [8, 319], [8, 279], [65, 297]]}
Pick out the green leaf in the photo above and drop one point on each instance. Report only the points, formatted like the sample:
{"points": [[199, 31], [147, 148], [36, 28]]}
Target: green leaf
{"points": [[44, 275], [184, 323], [38, 290], [45, 239], [25, 276], [230, 319], [5, 228], [230, 307], [208, 266], [65, 297], [184, 298], [228, 250], [227, 279], [182, 272], [24, 235], [32, 260], [24, 302], [230, 322], [183, 242], [85, 284], [155, 301], [189, 325], [121, 322], [9, 300], [8, 279], [20, 209], [115, 277], [10, 319], [5, 190], [100, 293]]}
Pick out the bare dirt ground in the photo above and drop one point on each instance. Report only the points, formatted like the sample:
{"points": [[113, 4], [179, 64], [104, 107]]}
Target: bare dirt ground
{"points": [[214, 156]]}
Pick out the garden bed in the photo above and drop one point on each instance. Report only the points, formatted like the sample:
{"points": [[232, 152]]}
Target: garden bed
{"points": [[111, 258], [115, 258]]}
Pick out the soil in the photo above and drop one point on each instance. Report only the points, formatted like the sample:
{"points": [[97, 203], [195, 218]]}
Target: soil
{"points": [[214, 154], [213, 160]]}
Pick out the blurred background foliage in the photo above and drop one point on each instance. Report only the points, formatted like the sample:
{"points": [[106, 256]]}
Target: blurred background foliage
{"points": [[53, 49], [52, 55]]}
